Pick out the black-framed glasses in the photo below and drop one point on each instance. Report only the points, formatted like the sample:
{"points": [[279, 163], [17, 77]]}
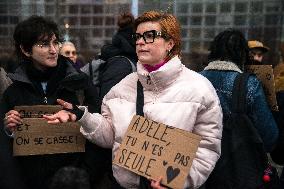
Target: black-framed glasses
{"points": [[148, 36]]}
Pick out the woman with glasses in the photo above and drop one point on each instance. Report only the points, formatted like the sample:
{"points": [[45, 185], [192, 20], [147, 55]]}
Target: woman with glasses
{"points": [[68, 49], [42, 77], [173, 95]]}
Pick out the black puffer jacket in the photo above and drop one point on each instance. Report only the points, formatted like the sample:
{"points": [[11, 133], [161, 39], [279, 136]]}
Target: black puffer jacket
{"points": [[115, 70], [62, 82]]}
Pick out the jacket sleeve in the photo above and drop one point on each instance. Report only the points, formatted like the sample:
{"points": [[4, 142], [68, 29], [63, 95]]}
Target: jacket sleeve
{"points": [[209, 126], [97, 128]]}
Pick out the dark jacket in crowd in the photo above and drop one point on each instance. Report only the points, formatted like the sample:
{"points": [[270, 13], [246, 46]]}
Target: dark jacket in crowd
{"points": [[277, 154], [122, 45], [63, 82], [113, 71], [222, 75]]}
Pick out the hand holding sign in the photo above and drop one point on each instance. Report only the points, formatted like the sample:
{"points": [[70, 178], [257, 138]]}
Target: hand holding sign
{"points": [[12, 120], [62, 116], [156, 184]]}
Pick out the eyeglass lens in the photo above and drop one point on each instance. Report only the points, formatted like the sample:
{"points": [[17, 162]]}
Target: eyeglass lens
{"points": [[70, 52], [46, 44], [148, 36]]}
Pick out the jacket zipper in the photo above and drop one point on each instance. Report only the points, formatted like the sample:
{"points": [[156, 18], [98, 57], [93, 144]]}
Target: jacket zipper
{"points": [[44, 85], [45, 100], [148, 80], [155, 92]]}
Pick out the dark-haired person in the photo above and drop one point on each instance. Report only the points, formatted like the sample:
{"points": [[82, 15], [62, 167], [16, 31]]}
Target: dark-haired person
{"points": [[228, 55], [173, 95], [119, 53], [42, 77]]}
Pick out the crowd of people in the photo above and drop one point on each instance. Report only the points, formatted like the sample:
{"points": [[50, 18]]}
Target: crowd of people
{"points": [[145, 53]]}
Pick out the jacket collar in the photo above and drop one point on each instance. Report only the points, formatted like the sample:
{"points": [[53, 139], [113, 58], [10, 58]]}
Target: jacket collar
{"points": [[223, 65], [68, 80], [161, 78], [19, 75]]}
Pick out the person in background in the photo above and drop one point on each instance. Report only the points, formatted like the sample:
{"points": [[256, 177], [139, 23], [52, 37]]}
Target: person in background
{"points": [[68, 49], [4, 81], [194, 108], [42, 77], [114, 63], [116, 56], [8, 62], [228, 55], [256, 51], [277, 154]]}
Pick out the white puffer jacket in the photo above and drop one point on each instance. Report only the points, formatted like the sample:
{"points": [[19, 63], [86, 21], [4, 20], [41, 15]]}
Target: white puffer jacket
{"points": [[173, 95]]}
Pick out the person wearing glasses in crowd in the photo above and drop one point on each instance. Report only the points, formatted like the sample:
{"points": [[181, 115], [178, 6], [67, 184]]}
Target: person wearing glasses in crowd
{"points": [[68, 49], [173, 95], [42, 77]]}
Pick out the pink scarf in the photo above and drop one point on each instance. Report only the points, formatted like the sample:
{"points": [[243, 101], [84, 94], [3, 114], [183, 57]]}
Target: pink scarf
{"points": [[150, 68]]}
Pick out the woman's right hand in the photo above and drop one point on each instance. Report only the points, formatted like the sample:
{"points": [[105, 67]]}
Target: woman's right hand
{"points": [[12, 120], [62, 116]]}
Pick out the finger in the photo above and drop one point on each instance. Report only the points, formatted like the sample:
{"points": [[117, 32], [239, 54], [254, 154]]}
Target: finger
{"points": [[64, 118], [55, 116], [55, 121], [60, 117], [13, 112], [52, 119], [13, 120], [157, 183], [72, 117], [49, 117], [154, 184], [160, 179], [64, 104], [15, 117]]}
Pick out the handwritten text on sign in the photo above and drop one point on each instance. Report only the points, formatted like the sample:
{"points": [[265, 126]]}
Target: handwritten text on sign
{"points": [[152, 149], [37, 111], [35, 136]]}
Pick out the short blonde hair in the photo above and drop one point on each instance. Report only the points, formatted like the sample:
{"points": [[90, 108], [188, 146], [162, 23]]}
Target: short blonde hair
{"points": [[169, 25]]}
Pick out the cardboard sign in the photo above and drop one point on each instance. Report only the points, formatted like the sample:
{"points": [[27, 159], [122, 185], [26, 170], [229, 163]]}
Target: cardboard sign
{"points": [[35, 136], [152, 149], [37, 111], [265, 74]]}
